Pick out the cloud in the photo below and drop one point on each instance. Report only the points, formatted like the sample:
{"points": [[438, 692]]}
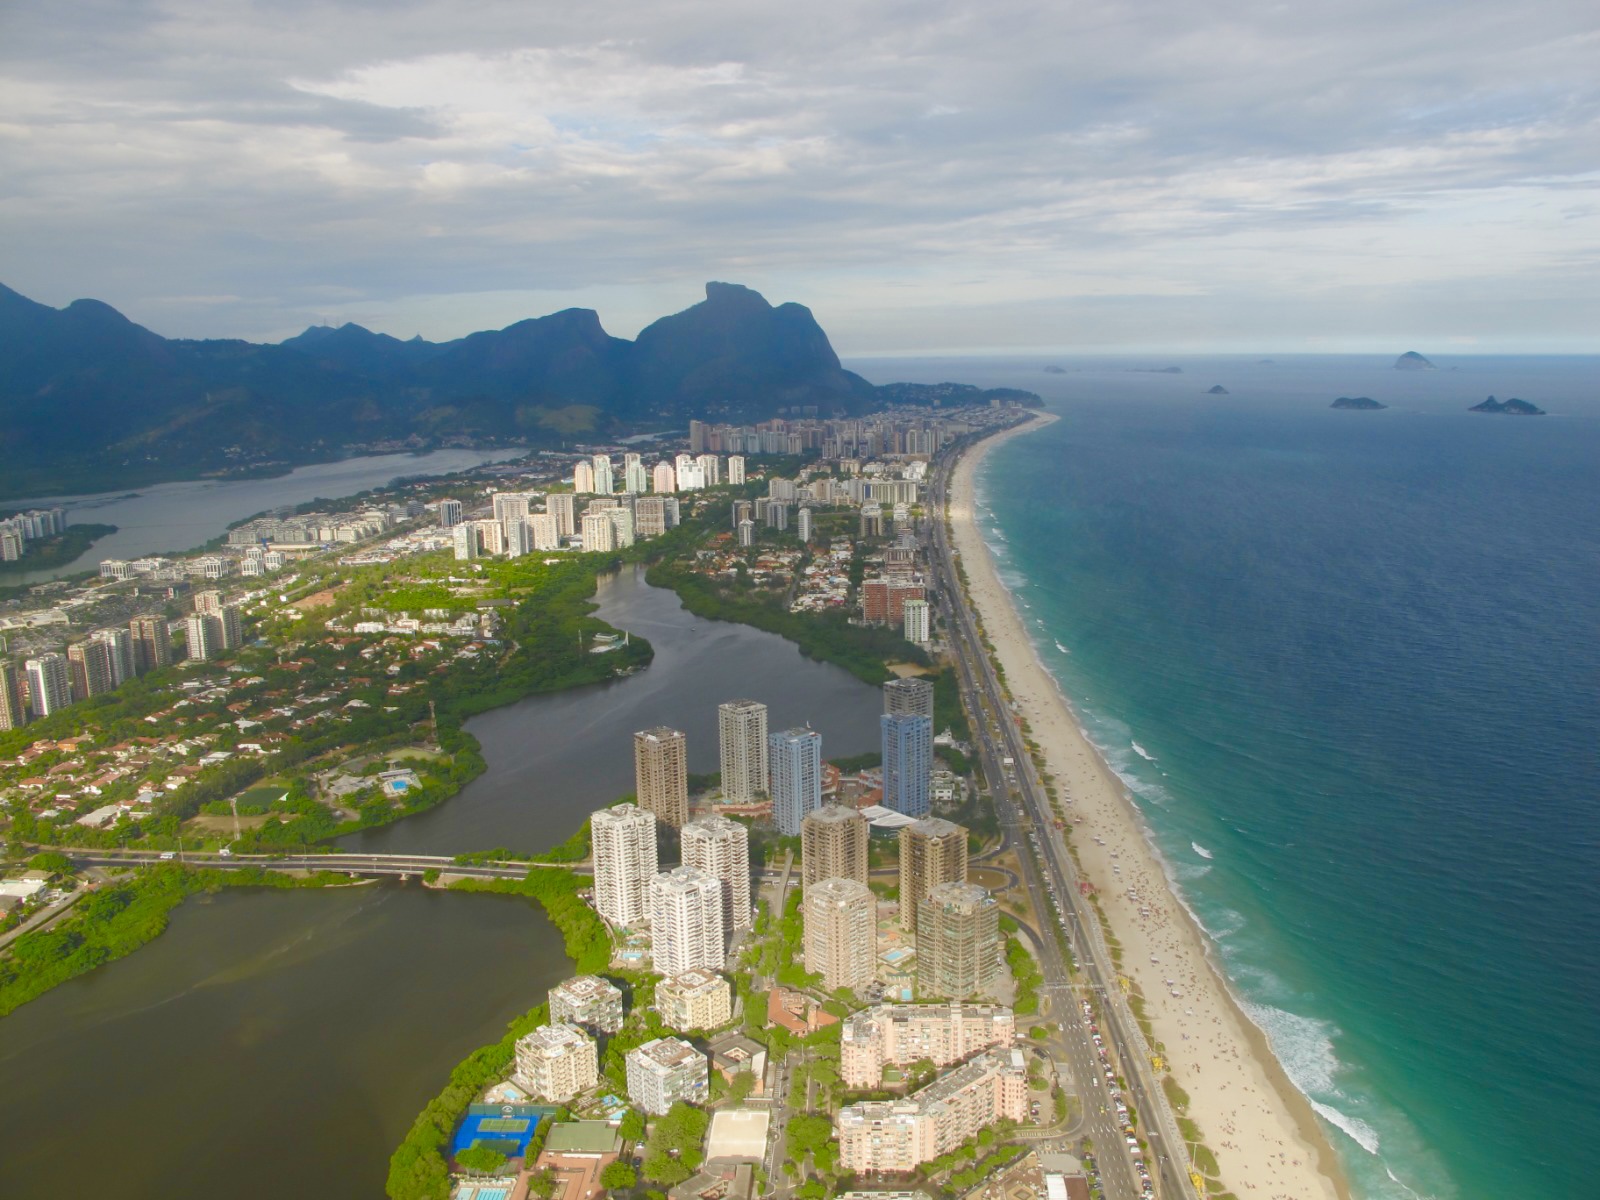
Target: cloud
{"points": [[911, 171]]}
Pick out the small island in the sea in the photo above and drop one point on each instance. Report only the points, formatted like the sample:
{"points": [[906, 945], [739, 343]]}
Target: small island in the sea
{"points": [[1361, 403], [1218, 390], [1412, 361], [1512, 407], [1053, 370], [1156, 370]]}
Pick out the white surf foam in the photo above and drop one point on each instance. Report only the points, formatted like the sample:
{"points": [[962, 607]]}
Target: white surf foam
{"points": [[1201, 850], [1143, 753], [1062, 648]]}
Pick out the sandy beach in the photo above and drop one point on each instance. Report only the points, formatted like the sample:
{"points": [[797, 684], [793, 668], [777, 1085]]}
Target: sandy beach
{"points": [[1265, 1136]]}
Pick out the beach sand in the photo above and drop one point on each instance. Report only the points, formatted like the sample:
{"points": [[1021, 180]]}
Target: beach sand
{"points": [[1265, 1136]]}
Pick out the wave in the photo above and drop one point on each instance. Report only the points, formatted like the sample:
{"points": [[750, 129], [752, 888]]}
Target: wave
{"points": [[1143, 753], [1200, 850], [1062, 648]]}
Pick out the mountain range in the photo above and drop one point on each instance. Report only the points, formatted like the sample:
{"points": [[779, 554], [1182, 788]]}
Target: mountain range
{"points": [[88, 396]]}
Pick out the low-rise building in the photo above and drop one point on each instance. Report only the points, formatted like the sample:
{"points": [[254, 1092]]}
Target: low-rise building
{"points": [[900, 1135], [695, 999], [557, 1062], [664, 1071], [900, 1034], [587, 1001]]}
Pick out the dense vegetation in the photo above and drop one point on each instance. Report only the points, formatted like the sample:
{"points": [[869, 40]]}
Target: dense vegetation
{"points": [[117, 920]]}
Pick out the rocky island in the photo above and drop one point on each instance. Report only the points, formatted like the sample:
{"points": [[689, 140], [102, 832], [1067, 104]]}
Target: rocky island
{"points": [[1412, 361], [1512, 407], [1360, 403], [1055, 370], [1218, 390]]}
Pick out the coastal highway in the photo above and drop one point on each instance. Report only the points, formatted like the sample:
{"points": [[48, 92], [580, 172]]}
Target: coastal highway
{"points": [[1000, 738], [354, 864]]}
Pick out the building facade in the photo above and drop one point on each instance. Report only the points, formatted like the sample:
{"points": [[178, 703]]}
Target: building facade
{"points": [[12, 713], [908, 697], [907, 762], [695, 999], [686, 929], [589, 1002], [795, 760], [720, 846], [833, 844], [742, 749], [901, 1034], [624, 847], [899, 1135], [958, 940], [932, 851], [664, 1071], [841, 932], [661, 773], [152, 644], [556, 1062], [49, 684]]}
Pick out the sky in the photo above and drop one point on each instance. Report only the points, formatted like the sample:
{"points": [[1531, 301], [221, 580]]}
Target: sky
{"points": [[926, 177]]}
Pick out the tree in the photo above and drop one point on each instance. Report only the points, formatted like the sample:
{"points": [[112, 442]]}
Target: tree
{"points": [[481, 1159], [663, 1168], [618, 1175], [542, 1183], [632, 1126]]}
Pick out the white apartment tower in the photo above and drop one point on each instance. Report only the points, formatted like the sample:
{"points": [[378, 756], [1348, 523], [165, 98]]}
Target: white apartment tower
{"points": [[598, 532], [544, 531], [583, 478], [742, 740], [588, 1001], [686, 929], [563, 507], [557, 1062], [664, 1071], [735, 469], [49, 683], [604, 484], [625, 861], [720, 846]]}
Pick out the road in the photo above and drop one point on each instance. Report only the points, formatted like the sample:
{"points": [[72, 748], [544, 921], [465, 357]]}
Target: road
{"points": [[1028, 823], [353, 864]]}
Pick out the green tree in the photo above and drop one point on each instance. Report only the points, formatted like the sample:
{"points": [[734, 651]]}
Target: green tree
{"points": [[618, 1175], [482, 1159]]}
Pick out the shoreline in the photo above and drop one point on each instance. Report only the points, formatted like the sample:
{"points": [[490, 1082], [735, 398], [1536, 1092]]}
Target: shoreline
{"points": [[1262, 1130]]}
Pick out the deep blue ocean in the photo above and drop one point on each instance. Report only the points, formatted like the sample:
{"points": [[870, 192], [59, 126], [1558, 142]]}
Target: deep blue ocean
{"points": [[1349, 665]]}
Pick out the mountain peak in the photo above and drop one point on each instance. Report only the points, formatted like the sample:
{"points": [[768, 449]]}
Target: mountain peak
{"points": [[730, 294]]}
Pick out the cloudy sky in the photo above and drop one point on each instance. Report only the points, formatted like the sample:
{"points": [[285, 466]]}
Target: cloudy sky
{"points": [[925, 176]]}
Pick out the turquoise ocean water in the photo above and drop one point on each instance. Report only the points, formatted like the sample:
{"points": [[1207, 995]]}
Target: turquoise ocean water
{"points": [[1349, 665]]}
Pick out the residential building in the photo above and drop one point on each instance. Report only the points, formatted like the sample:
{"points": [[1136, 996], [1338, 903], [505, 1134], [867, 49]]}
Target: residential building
{"points": [[13, 715], [230, 622], [833, 844], [747, 532], [451, 513], [794, 758], [710, 469], [583, 479], [152, 644], [510, 506], [635, 479], [900, 1034], [883, 600], [663, 478], [932, 851], [742, 746], [518, 536], [124, 666], [544, 530], [686, 928], [587, 1001], [664, 1071], [907, 762], [203, 635], [841, 932], [556, 1062], [624, 846], [695, 999], [958, 940], [908, 697], [604, 482], [649, 516], [598, 531], [899, 1135], [49, 683], [92, 670], [736, 469], [803, 524], [720, 846], [918, 621], [563, 507], [661, 774], [464, 541], [621, 527]]}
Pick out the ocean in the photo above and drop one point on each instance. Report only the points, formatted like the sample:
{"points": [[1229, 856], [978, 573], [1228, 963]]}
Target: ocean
{"points": [[1348, 663]]}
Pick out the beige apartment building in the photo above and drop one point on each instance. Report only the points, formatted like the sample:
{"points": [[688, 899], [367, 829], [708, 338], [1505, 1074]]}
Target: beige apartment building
{"points": [[695, 999], [556, 1062], [900, 1034], [932, 851], [661, 774], [833, 844], [841, 935]]}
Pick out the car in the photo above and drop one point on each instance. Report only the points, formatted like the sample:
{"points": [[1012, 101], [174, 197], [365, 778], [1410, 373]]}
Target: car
{"points": [[167, 856]]}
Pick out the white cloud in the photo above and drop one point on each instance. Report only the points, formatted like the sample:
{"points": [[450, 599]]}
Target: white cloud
{"points": [[913, 172]]}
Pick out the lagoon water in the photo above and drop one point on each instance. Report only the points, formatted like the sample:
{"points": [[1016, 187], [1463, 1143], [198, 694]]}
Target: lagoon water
{"points": [[279, 1043], [173, 517], [1349, 665]]}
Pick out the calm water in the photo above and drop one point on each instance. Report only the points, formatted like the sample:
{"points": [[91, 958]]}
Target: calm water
{"points": [[1355, 659], [173, 517], [555, 759], [279, 1044], [268, 1044]]}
